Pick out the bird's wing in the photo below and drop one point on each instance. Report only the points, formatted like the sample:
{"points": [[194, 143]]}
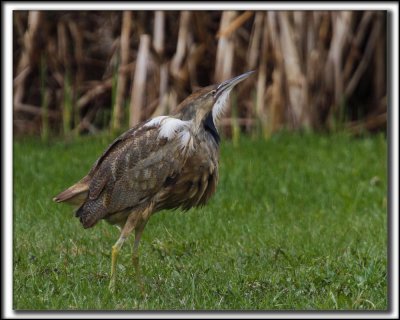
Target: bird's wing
{"points": [[132, 170]]}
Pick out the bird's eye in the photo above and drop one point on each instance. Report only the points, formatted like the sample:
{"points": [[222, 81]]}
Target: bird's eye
{"points": [[214, 92]]}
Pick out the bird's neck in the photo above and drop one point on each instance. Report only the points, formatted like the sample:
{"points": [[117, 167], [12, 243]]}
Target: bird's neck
{"points": [[209, 126]]}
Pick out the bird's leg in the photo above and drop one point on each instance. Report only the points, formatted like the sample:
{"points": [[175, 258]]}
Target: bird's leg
{"points": [[135, 256], [126, 231], [114, 255]]}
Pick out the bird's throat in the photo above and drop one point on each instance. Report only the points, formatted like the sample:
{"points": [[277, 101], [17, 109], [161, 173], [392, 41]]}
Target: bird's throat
{"points": [[209, 126]]}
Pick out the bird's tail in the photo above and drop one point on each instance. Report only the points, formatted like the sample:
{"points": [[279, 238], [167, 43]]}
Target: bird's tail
{"points": [[76, 194]]}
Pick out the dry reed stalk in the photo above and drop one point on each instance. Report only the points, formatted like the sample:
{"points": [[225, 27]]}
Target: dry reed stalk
{"points": [[225, 58], [371, 123], [255, 39], [277, 101], [20, 78], [35, 110], [276, 98], [86, 122], [139, 83], [261, 113], [159, 30], [355, 49], [162, 101], [300, 32], [235, 24], [77, 36], [118, 110], [314, 61], [63, 57], [253, 53], [30, 54], [94, 92], [196, 54], [296, 85], [181, 46], [379, 62], [365, 60], [159, 47], [316, 92], [225, 50], [341, 22]]}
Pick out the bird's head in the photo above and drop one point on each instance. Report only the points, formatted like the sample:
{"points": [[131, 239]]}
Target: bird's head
{"points": [[209, 100]]}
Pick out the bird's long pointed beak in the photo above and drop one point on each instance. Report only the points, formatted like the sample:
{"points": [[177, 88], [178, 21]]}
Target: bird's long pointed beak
{"points": [[229, 84]]}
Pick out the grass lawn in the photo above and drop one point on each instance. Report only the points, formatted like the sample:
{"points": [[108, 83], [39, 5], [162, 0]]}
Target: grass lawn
{"points": [[299, 222]]}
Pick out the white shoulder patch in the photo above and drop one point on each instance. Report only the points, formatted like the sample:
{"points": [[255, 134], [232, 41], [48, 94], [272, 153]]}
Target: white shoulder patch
{"points": [[155, 121], [170, 128], [220, 106]]}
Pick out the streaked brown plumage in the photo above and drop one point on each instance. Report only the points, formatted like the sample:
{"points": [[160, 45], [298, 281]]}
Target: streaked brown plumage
{"points": [[164, 163]]}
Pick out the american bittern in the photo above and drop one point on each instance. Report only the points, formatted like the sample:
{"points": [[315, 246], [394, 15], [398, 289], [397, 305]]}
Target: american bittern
{"points": [[163, 163]]}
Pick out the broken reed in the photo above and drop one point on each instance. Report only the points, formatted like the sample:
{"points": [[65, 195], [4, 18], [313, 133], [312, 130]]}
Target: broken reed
{"points": [[320, 70]]}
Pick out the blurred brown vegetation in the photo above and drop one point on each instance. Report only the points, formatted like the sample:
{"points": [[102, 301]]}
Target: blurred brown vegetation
{"points": [[81, 72]]}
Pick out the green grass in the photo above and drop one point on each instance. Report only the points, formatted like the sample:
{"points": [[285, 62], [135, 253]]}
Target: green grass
{"points": [[299, 222]]}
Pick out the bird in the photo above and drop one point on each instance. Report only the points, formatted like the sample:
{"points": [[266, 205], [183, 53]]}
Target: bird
{"points": [[166, 162]]}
